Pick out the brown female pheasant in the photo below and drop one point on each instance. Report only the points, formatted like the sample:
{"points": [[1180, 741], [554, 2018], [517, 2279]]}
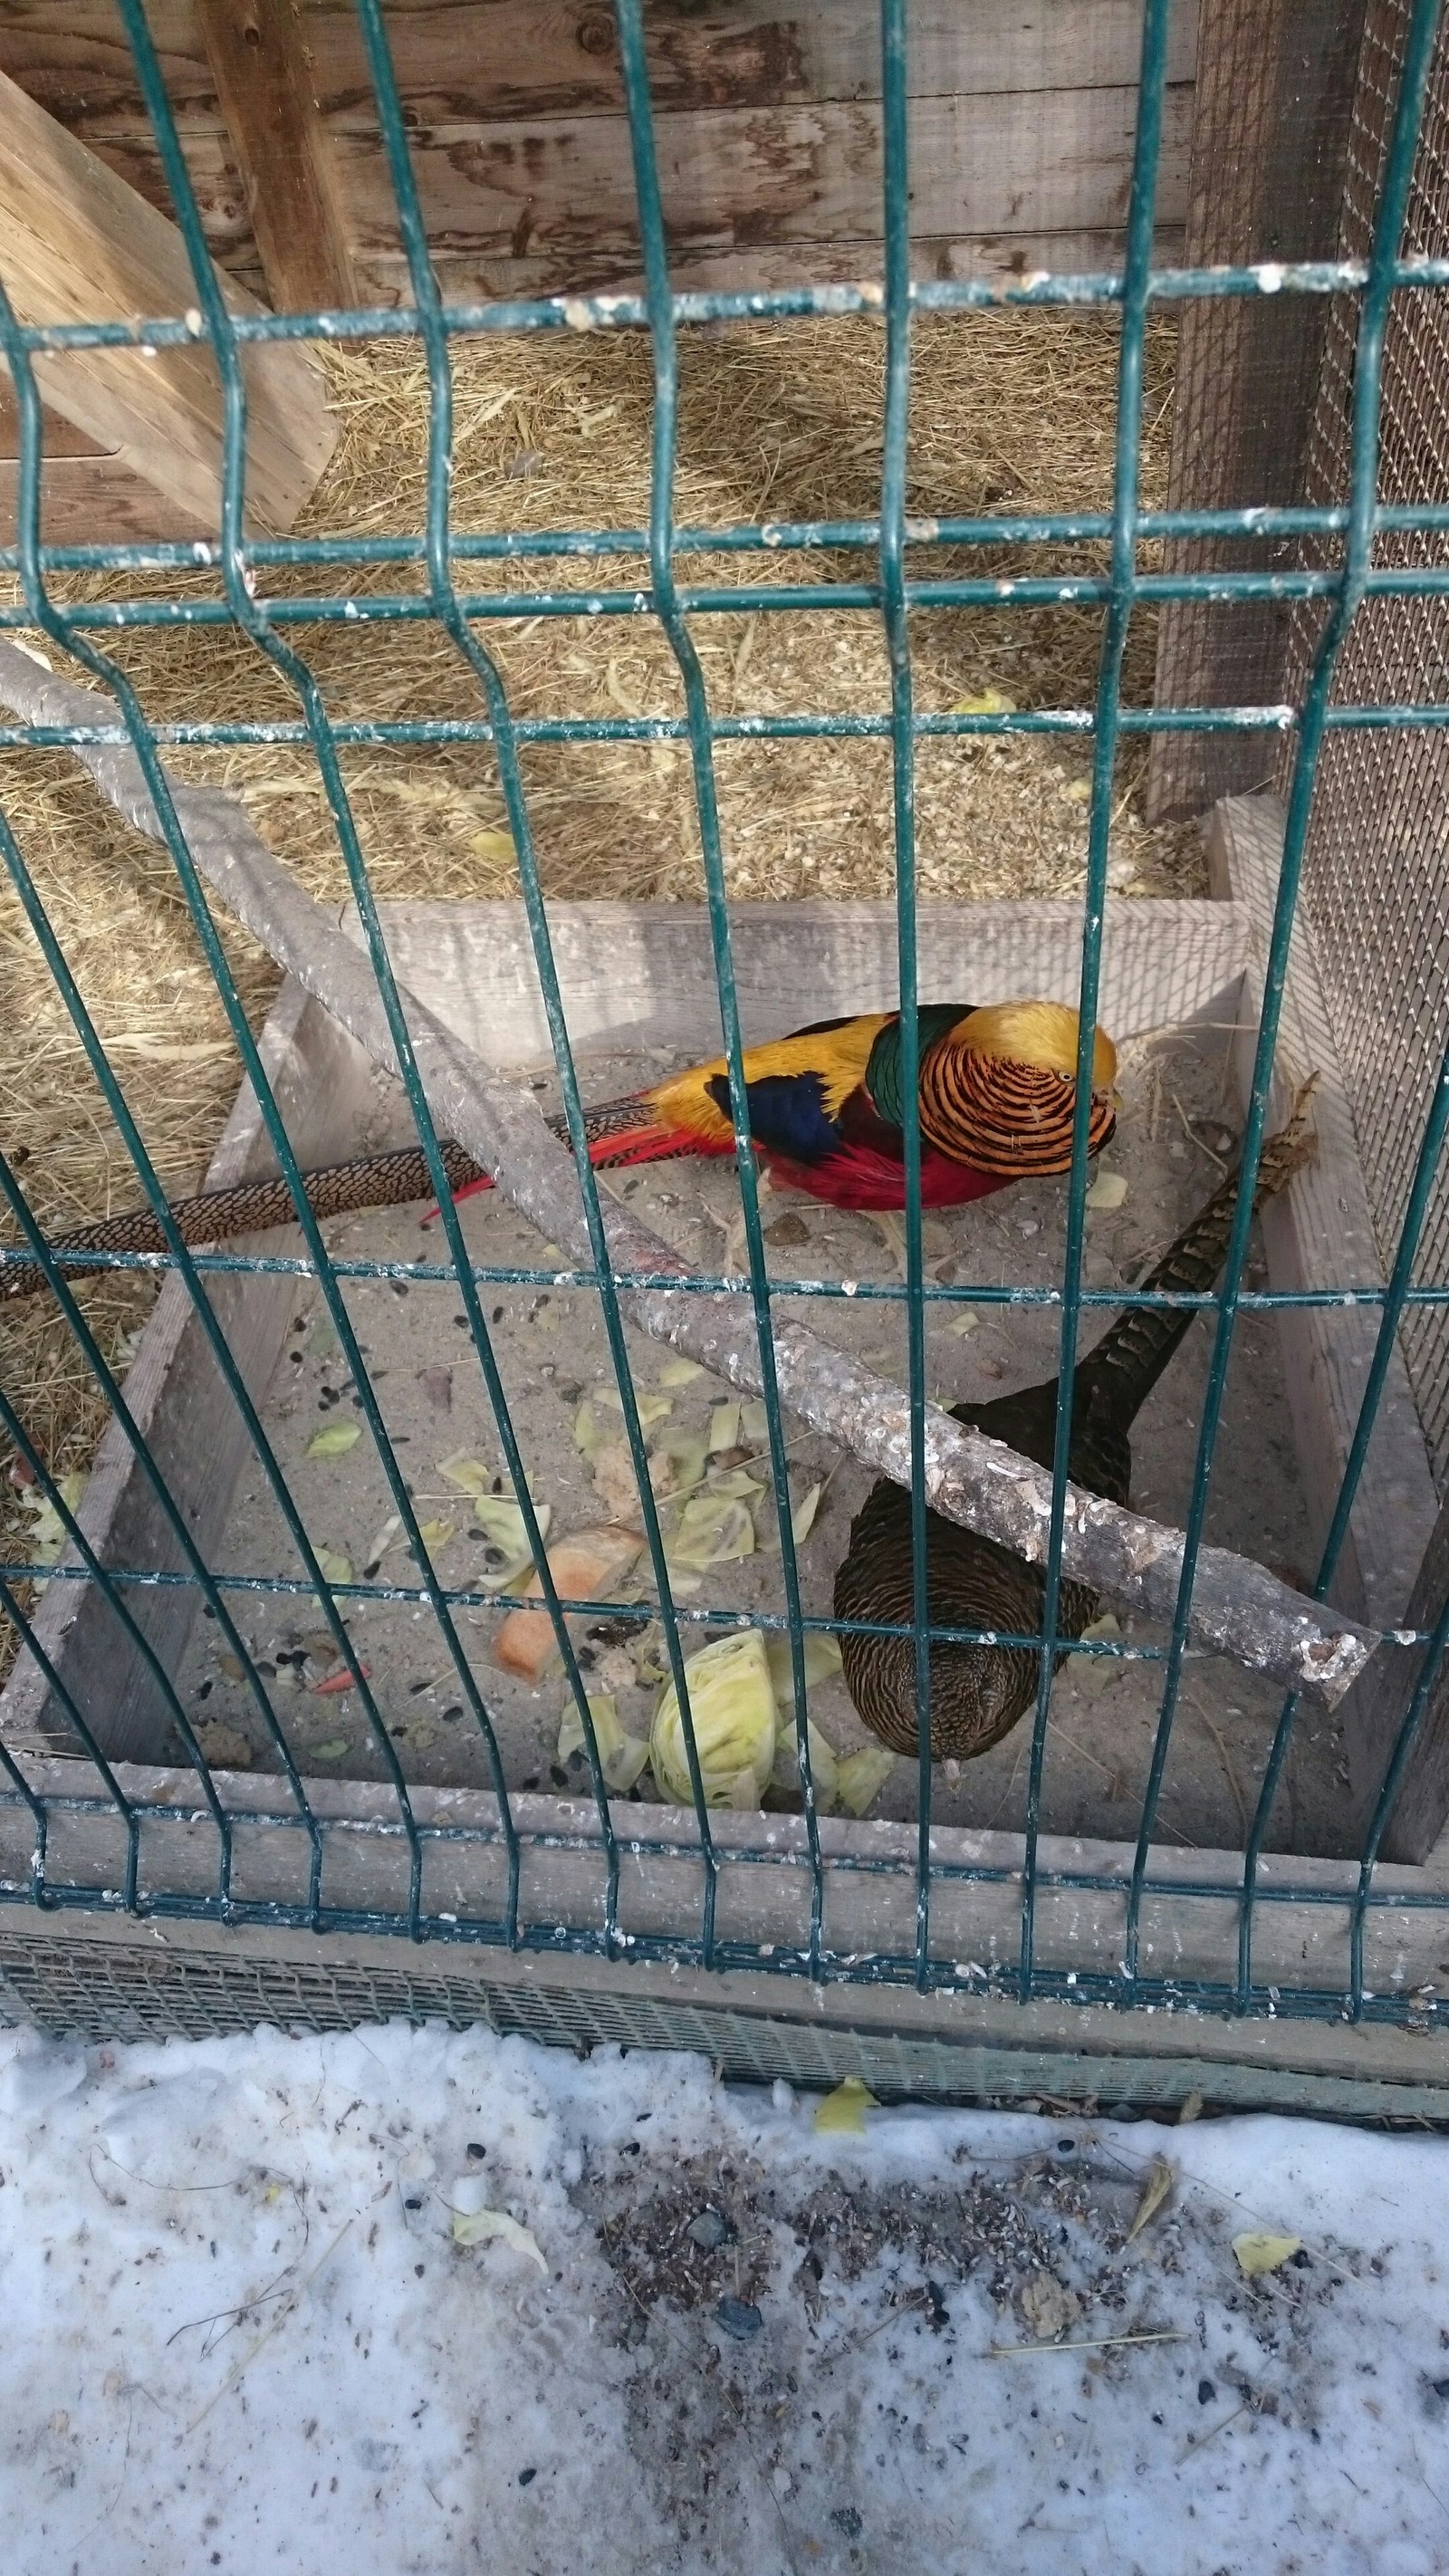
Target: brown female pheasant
{"points": [[978, 1692]]}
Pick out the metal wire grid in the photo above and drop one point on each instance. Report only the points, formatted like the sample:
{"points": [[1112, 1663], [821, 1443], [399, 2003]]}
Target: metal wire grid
{"points": [[1269, 114], [1376, 877], [893, 543]]}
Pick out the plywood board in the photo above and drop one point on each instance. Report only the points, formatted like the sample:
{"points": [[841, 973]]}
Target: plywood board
{"points": [[1319, 1234], [643, 974]]}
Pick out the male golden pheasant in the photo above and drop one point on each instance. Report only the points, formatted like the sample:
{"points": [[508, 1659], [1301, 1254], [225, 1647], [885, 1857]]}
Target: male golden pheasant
{"points": [[997, 1093], [978, 1692]]}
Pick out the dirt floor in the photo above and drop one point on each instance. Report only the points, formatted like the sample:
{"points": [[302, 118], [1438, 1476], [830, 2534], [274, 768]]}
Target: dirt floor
{"points": [[1175, 1127]]}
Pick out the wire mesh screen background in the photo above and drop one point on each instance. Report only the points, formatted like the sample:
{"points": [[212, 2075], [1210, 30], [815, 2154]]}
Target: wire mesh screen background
{"points": [[1376, 876], [1331, 274]]}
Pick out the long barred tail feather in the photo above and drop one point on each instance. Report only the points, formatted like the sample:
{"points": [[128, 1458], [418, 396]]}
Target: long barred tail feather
{"points": [[252, 1207], [1130, 1357], [617, 1134]]}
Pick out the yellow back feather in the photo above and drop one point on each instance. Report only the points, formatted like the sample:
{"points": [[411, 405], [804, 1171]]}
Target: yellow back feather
{"points": [[839, 1056]]}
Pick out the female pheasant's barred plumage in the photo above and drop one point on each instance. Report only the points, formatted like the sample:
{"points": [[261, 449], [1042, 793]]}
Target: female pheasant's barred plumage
{"points": [[978, 1692], [997, 1095]]}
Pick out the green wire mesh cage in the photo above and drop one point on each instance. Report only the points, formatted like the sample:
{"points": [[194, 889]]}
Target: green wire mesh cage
{"points": [[1340, 580]]}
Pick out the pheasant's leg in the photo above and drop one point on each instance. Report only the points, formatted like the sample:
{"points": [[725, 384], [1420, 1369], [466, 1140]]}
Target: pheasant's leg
{"points": [[892, 1233], [735, 1260]]}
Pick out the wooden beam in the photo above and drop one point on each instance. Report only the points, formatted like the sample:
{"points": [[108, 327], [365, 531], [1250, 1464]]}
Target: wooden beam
{"points": [[547, 206], [265, 83], [1019, 163], [78, 245], [1189, 1919], [106, 1976], [462, 63], [1004, 257]]}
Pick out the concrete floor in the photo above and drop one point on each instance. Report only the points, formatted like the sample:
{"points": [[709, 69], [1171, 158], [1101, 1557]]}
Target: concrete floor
{"points": [[552, 1354]]}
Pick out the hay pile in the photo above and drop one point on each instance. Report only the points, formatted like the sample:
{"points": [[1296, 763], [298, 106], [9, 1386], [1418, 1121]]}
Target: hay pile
{"points": [[1011, 410]]}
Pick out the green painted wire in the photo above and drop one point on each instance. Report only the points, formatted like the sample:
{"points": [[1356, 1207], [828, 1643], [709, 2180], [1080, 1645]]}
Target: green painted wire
{"points": [[1025, 590], [750, 304], [896, 220], [614, 312], [55, 625], [44, 933], [443, 598], [1151, 90], [422, 731], [773, 537], [628, 17], [1396, 1300], [1353, 581], [47, 1485], [256, 623], [40, 1894]]}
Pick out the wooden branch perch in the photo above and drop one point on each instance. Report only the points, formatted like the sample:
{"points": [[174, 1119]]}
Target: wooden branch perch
{"points": [[1239, 1609]]}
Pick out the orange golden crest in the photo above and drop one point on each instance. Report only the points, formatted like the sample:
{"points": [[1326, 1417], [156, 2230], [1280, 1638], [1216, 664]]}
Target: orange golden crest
{"points": [[999, 1092], [1043, 1034]]}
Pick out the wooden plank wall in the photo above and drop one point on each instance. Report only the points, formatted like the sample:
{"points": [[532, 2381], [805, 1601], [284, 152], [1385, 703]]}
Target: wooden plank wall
{"points": [[768, 131]]}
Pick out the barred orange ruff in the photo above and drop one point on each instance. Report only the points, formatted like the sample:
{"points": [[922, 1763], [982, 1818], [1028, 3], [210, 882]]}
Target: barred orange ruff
{"points": [[1012, 1119]]}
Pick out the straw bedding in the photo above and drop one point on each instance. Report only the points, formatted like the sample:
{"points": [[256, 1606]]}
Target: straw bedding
{"points": [[1011, 411]]}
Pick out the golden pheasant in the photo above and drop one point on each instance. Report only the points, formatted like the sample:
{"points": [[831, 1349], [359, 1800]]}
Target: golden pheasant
{"points": [[997, 1094], [978, 1692]]}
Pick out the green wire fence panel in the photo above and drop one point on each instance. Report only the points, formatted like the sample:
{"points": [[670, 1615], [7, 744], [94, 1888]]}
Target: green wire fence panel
{"points": [[1356, 565]]}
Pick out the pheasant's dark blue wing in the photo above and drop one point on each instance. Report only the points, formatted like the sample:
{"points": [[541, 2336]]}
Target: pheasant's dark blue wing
{"points": [[787, 1115]]}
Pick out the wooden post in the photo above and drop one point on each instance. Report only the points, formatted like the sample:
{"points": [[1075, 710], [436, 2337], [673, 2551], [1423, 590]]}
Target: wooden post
{"points": [[78, 245], [264, 81]]}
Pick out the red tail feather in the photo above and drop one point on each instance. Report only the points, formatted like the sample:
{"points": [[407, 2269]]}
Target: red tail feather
{"points": [[615, 1148], [650, 1145]]}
